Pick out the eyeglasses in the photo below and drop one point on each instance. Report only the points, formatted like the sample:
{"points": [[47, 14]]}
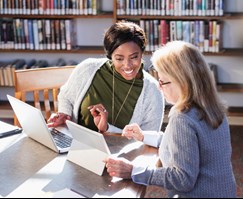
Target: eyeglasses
{"points": [[161, 83]]}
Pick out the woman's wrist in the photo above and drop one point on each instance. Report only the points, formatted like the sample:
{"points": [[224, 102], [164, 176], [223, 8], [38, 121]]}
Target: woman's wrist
{"points": [[103, 130], [63, 116]]}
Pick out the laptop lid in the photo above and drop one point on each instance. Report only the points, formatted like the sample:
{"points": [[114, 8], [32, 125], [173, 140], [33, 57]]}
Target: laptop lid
{"points": [[33, 124], [89, 148]]}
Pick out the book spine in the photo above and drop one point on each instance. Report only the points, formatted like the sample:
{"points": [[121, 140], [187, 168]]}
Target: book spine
{"points": [[192, 32], [176, 8], [187, 7], [204, 7], [36, 36], [199, 7], [1, 33], [201, 36], [43, 21], [179, 30], [40, 35], [212, 8], [31, 35], [218, 37], [197, 26], [186, 31], [148, 47], [163, 32], [156, 34], [214, 36], [206, 37], [221, 7], [68, 34], [168, 7], [89, 7], [4, 34], [208, 8], [53, 37], [26, 34], [172, 31], [63, 35], [48, 34], [57, 35], [63, 8], [195, 7], [1, 7], [15, 35]]}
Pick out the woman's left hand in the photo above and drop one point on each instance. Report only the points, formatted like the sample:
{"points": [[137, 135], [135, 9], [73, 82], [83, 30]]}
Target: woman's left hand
{"points": [[119, 167], [100, 117]]}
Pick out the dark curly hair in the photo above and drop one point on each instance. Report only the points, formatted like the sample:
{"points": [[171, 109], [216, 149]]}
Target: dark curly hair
{"points": [[123, 32]]}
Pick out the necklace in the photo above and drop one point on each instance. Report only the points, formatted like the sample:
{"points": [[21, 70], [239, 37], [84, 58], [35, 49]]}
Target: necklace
{"points": [[113, 98]]}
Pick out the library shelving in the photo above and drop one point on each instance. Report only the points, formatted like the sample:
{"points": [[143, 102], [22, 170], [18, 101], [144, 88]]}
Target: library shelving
{"points": [[145, 11], [191, 13], [84, 10]]}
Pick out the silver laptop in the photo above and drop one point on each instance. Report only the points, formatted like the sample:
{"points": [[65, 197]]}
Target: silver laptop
{"points": [[34, 125], [89, 148]]}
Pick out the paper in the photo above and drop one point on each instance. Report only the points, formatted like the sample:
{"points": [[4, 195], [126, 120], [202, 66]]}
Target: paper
{"points": [[124, 193], [66, 193]]}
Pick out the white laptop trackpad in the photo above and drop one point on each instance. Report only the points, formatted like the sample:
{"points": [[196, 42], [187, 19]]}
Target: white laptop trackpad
{"points": [[81, 154]]}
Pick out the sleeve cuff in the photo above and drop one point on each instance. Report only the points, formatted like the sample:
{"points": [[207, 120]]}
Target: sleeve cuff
{"points": [[113, 129], [142, 175], [152, 138]]}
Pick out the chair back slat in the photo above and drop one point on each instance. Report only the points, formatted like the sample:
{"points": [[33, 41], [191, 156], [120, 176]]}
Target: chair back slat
{"points": [[47, 104], [36, 99], [45, 81], [54, 96]]}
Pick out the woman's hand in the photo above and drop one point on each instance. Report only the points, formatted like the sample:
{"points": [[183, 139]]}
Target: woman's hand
{"points": [[133, 131], [100, 117], [119, 167], [57, 119]]}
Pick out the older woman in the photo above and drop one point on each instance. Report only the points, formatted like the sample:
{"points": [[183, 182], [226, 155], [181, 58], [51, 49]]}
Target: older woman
{"points": [[195, 148], [117, 85]]}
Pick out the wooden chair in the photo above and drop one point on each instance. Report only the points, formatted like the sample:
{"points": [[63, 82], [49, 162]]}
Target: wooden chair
{"points": [[43, 84]]}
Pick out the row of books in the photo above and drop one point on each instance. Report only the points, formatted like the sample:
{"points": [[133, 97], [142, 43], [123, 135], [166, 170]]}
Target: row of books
{"points": [[36, 34], [50, 7], [171, 7], [206, 35], [7, 68], [212, 66]]}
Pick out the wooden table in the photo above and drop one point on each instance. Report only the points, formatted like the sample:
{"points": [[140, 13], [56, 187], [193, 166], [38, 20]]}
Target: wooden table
{"points": [[29, 169]]}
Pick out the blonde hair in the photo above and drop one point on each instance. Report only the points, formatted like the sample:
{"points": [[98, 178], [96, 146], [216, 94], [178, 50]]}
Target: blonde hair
{"points": [[185, 65]]}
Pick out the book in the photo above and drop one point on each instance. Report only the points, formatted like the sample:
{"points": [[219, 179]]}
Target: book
{"points": [[60, 62], [42, 64], [2, 78], [29, 64], [8, 129]]}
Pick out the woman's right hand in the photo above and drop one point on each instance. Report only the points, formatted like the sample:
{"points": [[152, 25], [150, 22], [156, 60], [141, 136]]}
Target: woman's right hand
{"points": [[57, 119], [133, 131]]}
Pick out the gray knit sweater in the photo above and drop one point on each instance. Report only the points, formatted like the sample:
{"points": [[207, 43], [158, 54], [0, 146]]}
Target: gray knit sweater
{"points": [[149, 108], [196, 159]]}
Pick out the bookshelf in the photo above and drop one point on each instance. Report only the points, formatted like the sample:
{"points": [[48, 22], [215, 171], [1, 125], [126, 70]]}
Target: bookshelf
{"points": [[160, 11], [231, 52], [89, 39]]}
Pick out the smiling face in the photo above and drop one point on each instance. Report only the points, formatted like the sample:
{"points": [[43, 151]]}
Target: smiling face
{"points": [[127, 60]]}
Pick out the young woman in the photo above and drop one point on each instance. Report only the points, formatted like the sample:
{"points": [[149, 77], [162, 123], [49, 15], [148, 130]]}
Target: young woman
{"points": [[195, 149], [117, 85]]}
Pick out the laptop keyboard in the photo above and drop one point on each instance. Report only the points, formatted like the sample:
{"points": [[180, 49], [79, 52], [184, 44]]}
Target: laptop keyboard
{"points": [[62, 140]]}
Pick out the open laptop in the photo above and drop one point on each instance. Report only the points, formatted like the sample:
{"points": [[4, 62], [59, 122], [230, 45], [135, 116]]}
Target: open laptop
{"points": [[34, 125], [89, 148]]}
